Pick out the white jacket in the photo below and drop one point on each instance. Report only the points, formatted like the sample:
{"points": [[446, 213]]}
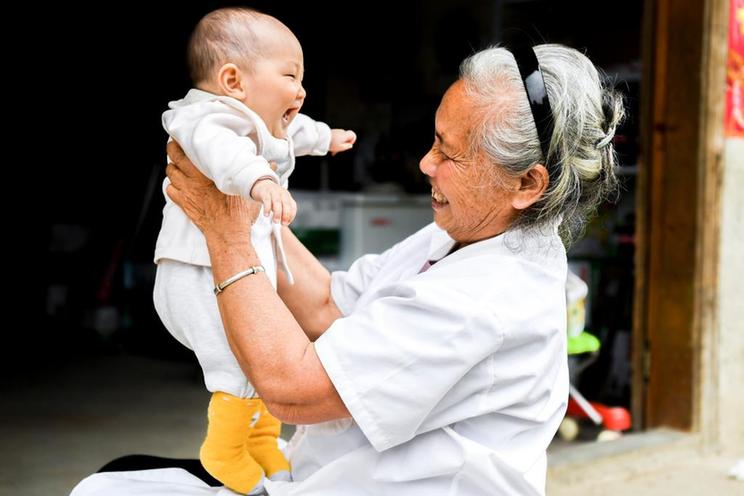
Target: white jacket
{"points": [[456, 378], [231, 145]]}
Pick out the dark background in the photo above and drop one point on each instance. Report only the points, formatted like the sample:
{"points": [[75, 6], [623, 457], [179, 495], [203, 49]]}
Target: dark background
{"points": [[107, 73]]}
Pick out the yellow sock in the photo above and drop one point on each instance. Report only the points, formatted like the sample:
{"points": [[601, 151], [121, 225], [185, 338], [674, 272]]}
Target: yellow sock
{"points": [[263, 447], [223, 452]]}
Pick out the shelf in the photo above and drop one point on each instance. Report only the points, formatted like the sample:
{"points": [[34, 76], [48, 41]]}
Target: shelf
{"points": [[627, 170]]}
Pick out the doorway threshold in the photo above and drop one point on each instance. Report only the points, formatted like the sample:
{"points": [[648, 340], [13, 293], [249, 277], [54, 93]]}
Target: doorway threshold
{"points": [[628, 456]]}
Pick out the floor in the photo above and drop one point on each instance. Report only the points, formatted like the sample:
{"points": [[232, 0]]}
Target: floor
{"points": [[59, 426], [695, 476], [63, 423]]}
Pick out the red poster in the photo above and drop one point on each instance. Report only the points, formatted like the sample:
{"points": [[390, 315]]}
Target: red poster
{"points": [[735, 72]]}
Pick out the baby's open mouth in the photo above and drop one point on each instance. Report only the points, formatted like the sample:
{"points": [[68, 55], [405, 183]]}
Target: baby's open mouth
{"points": [[289, 115]]}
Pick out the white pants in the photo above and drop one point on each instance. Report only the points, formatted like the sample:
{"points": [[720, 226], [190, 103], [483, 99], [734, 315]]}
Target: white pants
{"points": [[187, 306]]}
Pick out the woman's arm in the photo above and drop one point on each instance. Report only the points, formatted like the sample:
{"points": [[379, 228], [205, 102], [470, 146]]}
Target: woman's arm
{"points": [[267, 341], [309, 298]]}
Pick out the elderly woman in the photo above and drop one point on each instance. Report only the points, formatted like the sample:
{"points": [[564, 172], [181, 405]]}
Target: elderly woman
{"points": [[438, 366]]}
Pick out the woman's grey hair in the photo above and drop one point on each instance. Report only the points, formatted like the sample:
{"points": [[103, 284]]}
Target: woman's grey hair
{"points": [[586, 113], [223, 35]]}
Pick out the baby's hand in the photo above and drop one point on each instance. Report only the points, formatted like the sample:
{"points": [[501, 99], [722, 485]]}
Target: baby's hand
{"points": [[341, 140], [275, 199]]}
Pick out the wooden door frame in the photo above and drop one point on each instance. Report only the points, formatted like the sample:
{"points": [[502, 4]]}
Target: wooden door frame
{"points": [[675, 312]]}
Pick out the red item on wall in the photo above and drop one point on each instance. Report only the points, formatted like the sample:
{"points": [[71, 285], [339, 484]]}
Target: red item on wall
{"points": [[734, 113]]}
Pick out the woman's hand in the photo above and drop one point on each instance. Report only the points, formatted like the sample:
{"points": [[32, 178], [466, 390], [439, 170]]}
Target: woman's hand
{"points": [[213, 212]]}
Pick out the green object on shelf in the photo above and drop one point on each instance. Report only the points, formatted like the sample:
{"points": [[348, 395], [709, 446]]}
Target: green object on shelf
{"points": [[319, 241], [583, 343]]}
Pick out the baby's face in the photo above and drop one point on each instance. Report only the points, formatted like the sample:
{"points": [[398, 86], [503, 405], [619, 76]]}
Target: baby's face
{"points": [[274, 89]]}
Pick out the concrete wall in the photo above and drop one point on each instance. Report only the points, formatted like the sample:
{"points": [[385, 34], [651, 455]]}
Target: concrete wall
{"points": [[731, 299]]}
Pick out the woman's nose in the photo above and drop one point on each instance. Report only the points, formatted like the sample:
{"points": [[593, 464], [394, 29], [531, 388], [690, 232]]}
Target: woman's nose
{"points": [[427, 165]]}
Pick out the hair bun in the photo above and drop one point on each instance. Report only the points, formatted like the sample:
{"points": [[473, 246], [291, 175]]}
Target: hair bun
{"points": [[613, 110]]}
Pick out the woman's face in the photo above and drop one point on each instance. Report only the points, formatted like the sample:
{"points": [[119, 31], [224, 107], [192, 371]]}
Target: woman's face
{"points": [[466, 204]]}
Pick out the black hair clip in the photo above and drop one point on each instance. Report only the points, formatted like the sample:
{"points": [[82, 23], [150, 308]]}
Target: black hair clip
{"points": [[537, 94]]}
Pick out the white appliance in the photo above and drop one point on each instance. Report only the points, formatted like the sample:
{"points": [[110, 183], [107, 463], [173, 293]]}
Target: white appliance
{"points": [[360, 222], [372, 223]]}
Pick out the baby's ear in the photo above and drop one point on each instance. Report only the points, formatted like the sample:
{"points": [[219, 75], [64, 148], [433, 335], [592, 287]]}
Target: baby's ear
{"points": [[231, 82]]}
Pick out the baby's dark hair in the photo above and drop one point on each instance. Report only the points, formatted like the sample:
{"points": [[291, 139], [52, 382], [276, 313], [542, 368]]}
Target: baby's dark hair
{"points": [[224, 35]]}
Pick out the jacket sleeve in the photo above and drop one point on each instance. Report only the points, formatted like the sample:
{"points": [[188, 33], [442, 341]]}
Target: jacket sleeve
{"points": [[395, 361], [220, 144], [309, 137]]}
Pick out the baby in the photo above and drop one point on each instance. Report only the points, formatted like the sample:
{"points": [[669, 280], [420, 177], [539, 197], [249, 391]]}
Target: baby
{"points": [[242, 128]]}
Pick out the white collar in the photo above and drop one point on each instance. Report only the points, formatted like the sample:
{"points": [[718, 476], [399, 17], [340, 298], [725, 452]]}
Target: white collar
{"points": [[440, 244], [534, 245], [267, 143]]}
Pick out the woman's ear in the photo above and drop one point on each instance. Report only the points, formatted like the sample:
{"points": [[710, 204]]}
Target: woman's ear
{"points": [[231, 81], [532, 185]]}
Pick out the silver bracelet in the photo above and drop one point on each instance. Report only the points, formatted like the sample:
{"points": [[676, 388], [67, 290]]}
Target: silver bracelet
{"points": [[253, 270]]}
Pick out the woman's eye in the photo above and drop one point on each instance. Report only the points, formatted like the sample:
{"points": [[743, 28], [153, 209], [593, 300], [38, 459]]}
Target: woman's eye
{"points": [[442, 155]]}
